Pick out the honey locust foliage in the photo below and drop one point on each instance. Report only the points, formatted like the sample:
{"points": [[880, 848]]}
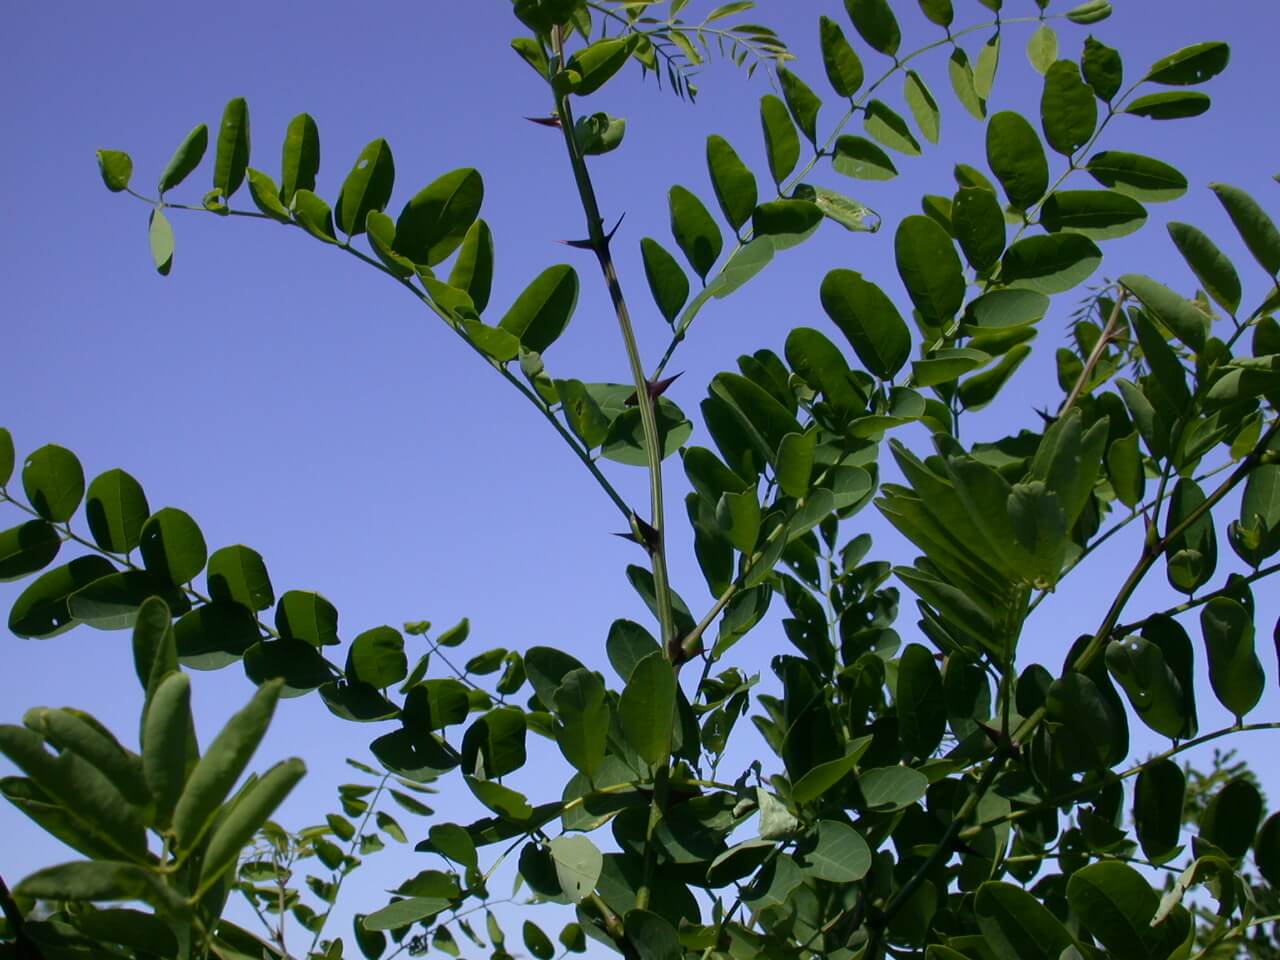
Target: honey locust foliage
{"points": [[944, 797]]}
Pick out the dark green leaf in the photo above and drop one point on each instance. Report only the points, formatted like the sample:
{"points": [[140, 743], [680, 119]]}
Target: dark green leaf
{"points": [[1017, 925], [472, 271], [168, 734], [404, 913], [1172, 105], [859, 157], [41, 609], [1050, 264], [238, 574], [735, 188], [116, 509], [1102, 69], [112, 602], [868, 318], [938, 11], [367, 187], [921, 709], [27, 549], [1153, 690], [1178, 315], [1191, 65], [377, 658], [1211, 266], [599, 133], [494, 744], [172, 546], [584, 716], [886, 789], [1016, 157], [301, 157], [802, 102], [185, 159], [930, 269], [595, 65], [980, 389], [6, 456], [844, 69], [1266, 851], [1234, 670], [979, 226], [1097, 214], [1254, 226], [652, 937], [781, 142], [1068, 110], [436, 220], [309, 617], [116, 168], [786, 218], [232, 156], [541, 313], [1231, 819], [1137, 176], [537, 942], [695, 231], [1124, 466], [876, 24], [1157, 808], [1000, 310]]}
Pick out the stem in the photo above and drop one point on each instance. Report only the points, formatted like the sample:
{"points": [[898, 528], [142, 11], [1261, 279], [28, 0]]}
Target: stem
{"points": [[1203, 599], [26, 947], [1095, 355], [645, 401], [1234, 932]]}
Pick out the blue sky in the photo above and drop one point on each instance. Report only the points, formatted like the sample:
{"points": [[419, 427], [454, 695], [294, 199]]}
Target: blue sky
{"points": [[292, 400]]}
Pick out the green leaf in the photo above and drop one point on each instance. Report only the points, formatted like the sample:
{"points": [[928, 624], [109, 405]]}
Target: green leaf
{"points": [[938, 11], [6, 456], [876, 24], [301, 157], [238, 574], [930, 269], [624, 441], [1017, 159], [1232, 817], [984, 73], [1116, 905], [1050, 264], [1214, 269], [923, 106], [1091, 11], [979, 226], [494, 745], [1068, 110], [802, 102], [869, 320], [103, 880], [823, 776], [1102, 68], [403, 913], [887, 789], [946, 364], [168, 736], [735, 189], [160, 238], [837, 207], [112, 602], [436, 220], [980, 389], [116, 168], [41, 610], [1190, 65], [651, 936], [781, 219], [844, 69], [796, 456], [53, 481], [367, 187], [1254, 226], [584, 716], [116, 509], [841, 855], [210, 783], [541, 313], [599, 133], [962, 82], [313, 215], [781, 142], [1042, 49], [309, 617], [472, 271], [537, 942], [252, 808], [1172, 105], [185, 159], [860, 158], [231, 158], [578, 864], [1177, 314], [1124, 466], [595, 65], [1136, 176], [1017, 926], [377, 658], [647, 708], [921, 709], [695, 231], [172, 546], [998, 311], [1235, 673], [1266, 851], [889, 127], [27, 549], [266, 195], [1097, 214]]}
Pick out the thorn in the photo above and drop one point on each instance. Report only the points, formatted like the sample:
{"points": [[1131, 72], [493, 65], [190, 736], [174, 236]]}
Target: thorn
{"points": [[656, 388], [995, 736], [545, 121], [645, 534], [609, 236], [634, 538], [578, 244]]}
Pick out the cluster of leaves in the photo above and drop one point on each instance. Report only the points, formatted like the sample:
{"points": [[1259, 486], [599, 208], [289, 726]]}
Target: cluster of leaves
{"points": [[940, 798]]}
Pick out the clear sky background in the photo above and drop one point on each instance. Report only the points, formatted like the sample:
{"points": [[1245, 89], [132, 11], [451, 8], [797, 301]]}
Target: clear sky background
{"points": [[295, 401]]}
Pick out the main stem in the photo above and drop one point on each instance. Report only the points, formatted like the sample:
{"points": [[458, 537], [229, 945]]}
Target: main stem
{"points": [[653, 537]]}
